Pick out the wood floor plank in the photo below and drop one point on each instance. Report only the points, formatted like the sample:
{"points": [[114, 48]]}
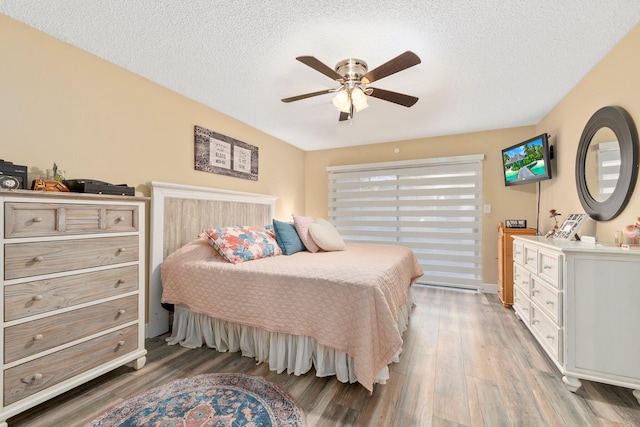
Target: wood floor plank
{"points": [[467, 361]]}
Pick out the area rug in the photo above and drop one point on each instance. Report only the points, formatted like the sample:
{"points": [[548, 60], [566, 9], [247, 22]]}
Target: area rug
{"points": [[208, 400]]}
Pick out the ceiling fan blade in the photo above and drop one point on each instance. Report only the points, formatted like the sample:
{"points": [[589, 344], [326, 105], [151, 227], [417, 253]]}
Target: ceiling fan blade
{"points": [[343, 117], [314, 63], [306, 95], [399, 63], [395, 97]]}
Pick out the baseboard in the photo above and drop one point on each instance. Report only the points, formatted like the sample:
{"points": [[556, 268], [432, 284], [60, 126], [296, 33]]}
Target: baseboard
{"points": [[489, 288]]}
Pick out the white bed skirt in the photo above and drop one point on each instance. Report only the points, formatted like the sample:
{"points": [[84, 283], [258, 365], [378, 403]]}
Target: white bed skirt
{"points": [[293, 353]]}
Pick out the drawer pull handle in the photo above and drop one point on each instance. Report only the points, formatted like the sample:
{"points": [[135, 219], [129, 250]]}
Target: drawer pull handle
{"points": [[550, 302], [38, 258], [37, 297], [530, 259], [120, 343], [550, 337], [122, 311], [122, 249], [547, 267], [37, 219], [121, 281], [33, 378], [38, 337], [121, 218]]}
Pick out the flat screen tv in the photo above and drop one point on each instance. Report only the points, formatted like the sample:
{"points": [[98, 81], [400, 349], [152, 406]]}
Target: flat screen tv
{"points": [[527, 161]]}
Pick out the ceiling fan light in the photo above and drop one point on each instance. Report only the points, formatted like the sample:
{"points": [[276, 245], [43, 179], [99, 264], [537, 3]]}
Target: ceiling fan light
{"points": [[359, 99], [341, 101]]}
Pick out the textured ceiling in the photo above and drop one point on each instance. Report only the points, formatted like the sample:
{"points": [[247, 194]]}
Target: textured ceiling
{"points": [[485, 64]]}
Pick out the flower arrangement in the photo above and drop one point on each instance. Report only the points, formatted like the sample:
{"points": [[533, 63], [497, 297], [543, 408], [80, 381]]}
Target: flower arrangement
{"points": [[554, 214], [633, 230]]}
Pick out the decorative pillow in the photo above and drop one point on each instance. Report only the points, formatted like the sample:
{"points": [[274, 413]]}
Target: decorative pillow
{"points": [[287, 237], [238, 244], [326, 236], [302, 224]]}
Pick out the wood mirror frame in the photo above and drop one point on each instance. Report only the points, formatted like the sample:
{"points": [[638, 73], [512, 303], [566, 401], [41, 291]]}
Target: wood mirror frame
{"points": [[620, 122]]}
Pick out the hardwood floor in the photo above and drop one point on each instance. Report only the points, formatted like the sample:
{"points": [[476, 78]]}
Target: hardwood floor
{"points": [[467, 361]]}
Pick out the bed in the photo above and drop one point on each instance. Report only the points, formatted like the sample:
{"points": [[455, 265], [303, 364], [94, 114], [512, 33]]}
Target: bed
{"points": [[341, 313]]}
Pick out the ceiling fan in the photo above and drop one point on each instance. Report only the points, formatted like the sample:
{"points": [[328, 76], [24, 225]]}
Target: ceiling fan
{"points": [[353, 77]]}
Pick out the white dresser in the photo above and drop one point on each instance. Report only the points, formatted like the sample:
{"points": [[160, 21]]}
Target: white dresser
{"points": [[73, 291], [581, 301]]}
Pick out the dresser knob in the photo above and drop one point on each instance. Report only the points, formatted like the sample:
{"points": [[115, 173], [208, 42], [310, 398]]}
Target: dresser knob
{"points": [[121, 281], [122, 249], [37, 297], [120, 219], [120, 343], [549, 302], [550, 337], [38, 337], [32, 378], [38, 258], [546, 267], [37, 219], [122, 311]]}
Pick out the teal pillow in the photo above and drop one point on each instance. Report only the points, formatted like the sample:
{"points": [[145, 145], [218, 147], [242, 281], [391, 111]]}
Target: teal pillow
{"points": [[287, 237]]}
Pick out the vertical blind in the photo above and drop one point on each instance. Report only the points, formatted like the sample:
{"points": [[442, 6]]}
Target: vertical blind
{"points": [[432, 206]]}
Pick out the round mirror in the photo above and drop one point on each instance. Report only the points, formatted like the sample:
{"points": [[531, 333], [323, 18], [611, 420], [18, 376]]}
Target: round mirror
{"points": [[607, 163], [602, 164]]}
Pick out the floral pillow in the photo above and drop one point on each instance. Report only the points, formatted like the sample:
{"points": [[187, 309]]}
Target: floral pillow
{"points": [[243, 243]]}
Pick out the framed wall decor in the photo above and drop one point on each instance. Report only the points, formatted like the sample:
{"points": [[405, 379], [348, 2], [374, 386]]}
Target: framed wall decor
{"points": [[221, 154]]}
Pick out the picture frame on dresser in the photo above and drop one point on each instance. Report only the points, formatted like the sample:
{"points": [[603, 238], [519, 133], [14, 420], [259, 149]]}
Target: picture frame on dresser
{"points": [[73, 300]]}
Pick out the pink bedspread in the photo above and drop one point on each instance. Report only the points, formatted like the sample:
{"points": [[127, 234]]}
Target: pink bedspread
{"points": [[346, 300]]}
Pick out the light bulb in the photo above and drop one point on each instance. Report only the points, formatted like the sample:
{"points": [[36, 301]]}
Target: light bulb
{"points": [[341, 101], [359, 99]]}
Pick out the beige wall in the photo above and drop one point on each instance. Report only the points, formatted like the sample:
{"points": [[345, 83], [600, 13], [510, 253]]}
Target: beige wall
{"points": [[96, 120], [515, 202], [614, 81]]}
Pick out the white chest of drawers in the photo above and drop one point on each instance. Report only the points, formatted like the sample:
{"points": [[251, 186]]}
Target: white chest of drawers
{"points": [[73, 292], [581, 302]]}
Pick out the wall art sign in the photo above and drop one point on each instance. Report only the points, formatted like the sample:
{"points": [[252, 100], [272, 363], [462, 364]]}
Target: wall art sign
{"points": [[221, 154]]}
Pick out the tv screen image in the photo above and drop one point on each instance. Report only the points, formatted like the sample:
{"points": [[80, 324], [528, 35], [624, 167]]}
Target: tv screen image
{"points": [[527, 161]]}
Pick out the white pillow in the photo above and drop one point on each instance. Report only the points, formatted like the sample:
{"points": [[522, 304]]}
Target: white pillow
{"points": [[302, 224], [325, 235]]}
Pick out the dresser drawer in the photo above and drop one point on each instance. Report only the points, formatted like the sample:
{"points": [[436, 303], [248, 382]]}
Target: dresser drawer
{"points": [[548, 298], [530, 257], [29, 338], [550, 267], [548, 333], [30, 259], [521, 278], [518, 252], [40, 296], [521, 304], [32, 377], [23, 219]]}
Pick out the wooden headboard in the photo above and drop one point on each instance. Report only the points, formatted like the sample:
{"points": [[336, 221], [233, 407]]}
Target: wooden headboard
{"points": [[179, 213]]}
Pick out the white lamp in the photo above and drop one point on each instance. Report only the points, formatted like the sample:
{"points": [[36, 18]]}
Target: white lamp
{"points": [[342, 101], [359, 99]]}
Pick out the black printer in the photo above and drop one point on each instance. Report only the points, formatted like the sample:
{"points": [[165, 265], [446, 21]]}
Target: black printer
{"points": [[93, 186]]}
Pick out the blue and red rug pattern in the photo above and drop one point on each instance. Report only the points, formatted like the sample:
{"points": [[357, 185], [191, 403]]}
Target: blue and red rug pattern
{"points": [[208, 400]]}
